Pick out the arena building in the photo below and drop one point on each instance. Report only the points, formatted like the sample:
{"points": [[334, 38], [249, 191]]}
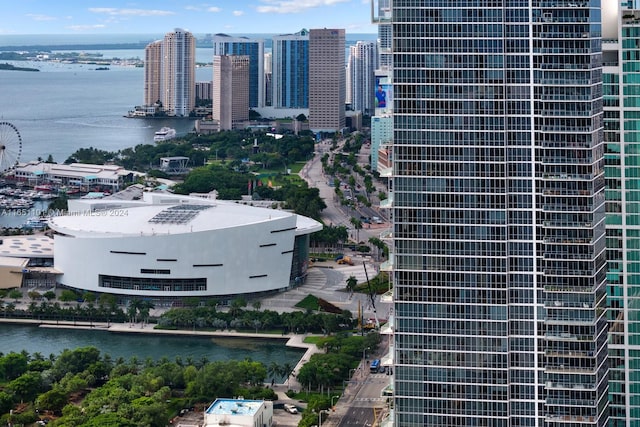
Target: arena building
{"points": [[169, 246], [27, 261]]}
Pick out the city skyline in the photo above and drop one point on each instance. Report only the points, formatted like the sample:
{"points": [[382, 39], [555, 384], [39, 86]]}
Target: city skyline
{"points": [[120, 16]]}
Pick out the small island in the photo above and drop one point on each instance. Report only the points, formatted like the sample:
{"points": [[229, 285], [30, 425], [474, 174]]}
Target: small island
{"points": [[7, 66]]}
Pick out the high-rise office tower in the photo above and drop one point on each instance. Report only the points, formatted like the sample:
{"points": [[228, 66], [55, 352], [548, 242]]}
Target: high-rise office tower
{"points": [[290, 70], [203, 90], [381, 136], [178, 76], [347, 98], [363, 61], [385, 36], [499, 214], [621, 88], [224, 44], [327, 80], [268, 91], [152, 72], [231, 75]]}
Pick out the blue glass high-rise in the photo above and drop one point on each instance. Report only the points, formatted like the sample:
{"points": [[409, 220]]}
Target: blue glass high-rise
{"points": [[290, 70], [499, 215], [224, 44]]}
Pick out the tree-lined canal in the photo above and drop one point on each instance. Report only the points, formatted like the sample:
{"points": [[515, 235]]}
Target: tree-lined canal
{"points": [[46, 341]]}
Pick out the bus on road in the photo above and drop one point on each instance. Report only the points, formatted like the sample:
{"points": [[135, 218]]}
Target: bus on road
{"points": [[375, 365]]}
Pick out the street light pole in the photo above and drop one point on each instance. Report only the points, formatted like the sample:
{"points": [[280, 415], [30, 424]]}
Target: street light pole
{"points": [[333, 397], [364, 357]]}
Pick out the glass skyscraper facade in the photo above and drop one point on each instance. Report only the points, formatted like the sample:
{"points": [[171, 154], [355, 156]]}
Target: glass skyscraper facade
{"points": [[362, 63], [498, 206], [383, 20], [621, 60], [290, 70]]}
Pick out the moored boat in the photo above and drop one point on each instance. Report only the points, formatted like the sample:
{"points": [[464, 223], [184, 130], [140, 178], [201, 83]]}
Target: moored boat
{"points": [[35, 223]]}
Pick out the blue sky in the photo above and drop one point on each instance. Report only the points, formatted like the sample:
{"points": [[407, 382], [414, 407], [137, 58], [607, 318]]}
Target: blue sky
{"points": [[161, 16]]}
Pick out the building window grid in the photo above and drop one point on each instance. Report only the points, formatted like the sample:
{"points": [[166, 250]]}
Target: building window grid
{"points": [[152, 284], [418, 126]]}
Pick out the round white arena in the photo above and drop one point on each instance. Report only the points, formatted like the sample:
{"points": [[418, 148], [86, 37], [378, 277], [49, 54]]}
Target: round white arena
{"points": [[173, 246]]}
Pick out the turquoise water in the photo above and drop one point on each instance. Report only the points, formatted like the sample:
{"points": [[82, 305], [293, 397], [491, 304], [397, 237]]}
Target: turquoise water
{"points": [[53, 341]]}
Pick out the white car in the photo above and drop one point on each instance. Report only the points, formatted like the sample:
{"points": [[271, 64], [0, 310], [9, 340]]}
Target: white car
{"points": [[290, 408]]}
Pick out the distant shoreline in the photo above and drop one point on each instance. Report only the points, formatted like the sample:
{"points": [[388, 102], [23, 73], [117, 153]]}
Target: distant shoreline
{"points": [[9, 67], [76, 46], [201, 42]]}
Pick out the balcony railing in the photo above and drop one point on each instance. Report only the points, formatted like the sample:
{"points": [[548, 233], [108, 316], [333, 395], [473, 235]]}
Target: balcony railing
{"points": [[387, 296], [387, 203], [387, 265]]}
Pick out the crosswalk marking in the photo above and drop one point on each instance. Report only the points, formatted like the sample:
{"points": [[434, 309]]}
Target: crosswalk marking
{"points": [[370, 399]]}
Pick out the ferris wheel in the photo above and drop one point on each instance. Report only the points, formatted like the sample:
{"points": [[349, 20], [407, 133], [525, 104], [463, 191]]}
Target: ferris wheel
{"points": [[10, 146]]}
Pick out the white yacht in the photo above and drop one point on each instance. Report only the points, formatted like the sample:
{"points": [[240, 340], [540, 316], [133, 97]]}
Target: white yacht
{"points": [[164, 134]]}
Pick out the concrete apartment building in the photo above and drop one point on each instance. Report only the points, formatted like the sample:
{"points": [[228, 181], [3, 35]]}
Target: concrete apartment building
{"points": [[327, 80], [231, 76], [224, 44], [152, 73], [363, 61], [178, 81]]}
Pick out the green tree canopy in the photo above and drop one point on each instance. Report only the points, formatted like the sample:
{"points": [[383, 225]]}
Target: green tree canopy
{"points": [[74, 361], [13, 365]]}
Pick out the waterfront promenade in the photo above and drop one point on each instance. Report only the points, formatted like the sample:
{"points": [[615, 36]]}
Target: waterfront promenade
{"points": [[292, 340], [327, 281]]}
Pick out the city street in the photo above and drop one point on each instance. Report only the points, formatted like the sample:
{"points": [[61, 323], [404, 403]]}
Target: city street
{"points": [[336, 214], [362, 402]]}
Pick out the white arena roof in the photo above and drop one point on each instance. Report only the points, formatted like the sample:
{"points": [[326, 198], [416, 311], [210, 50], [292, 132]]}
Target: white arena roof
{"points": [[168, 214], [29, 246]]}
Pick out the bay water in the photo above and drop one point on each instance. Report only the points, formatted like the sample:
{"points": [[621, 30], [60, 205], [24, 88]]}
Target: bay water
{"points": [[65, 107]]}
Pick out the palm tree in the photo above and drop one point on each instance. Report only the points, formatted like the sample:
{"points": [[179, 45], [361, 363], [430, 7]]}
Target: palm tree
{"points": [[274, 370], [379, 244], [144, 308], [352, 282], [9, 308], [357, 224], [236, 306], [132, 310], [202, 362], [286, 371]]}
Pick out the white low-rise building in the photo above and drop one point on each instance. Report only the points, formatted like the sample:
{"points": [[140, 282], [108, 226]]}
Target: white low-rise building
{"points": [[27, 261], [108, 177], [239, 413], [166, 245]]}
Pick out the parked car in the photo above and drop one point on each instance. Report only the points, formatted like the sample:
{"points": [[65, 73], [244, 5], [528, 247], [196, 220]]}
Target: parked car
{"points": [[290, 408]]}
